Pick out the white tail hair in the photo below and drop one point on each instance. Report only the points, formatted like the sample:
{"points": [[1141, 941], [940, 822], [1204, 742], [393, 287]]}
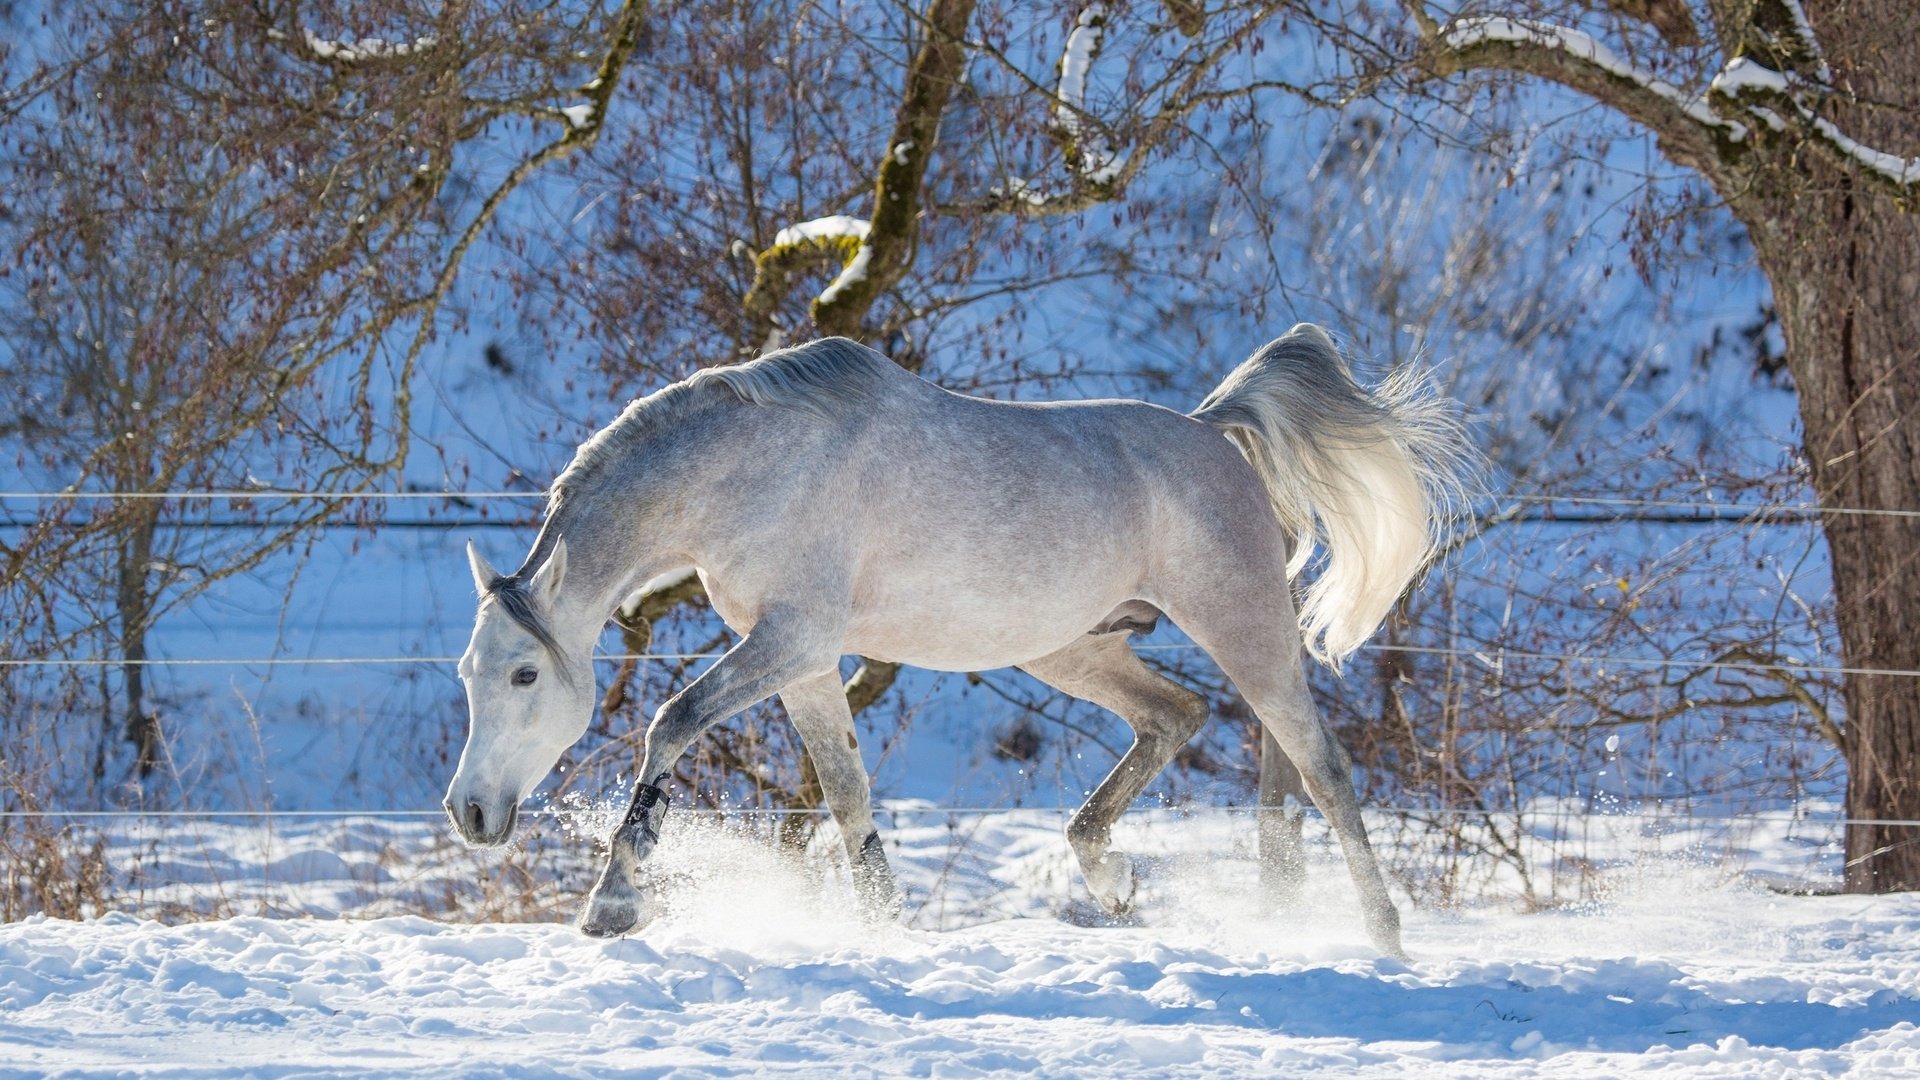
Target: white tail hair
{"points": [[1373, 475]]}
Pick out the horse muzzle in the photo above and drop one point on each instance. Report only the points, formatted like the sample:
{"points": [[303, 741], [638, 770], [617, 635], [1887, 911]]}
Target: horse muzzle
{"points": [[480, 827]]}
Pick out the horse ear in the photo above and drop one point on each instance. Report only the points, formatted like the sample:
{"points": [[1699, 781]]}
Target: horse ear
{"points": [[546, 580], [484, 575]]}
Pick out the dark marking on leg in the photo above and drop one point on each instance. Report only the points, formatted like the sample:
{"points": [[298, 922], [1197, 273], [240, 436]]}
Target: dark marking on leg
{"points": [[873, 881]]}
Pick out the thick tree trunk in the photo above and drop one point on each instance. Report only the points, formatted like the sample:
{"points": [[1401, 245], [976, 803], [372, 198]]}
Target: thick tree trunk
{"points": [[1850, 310], [1845, 266]]}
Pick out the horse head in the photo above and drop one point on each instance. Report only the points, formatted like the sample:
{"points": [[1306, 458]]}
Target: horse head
{"points": [[527, 700]]}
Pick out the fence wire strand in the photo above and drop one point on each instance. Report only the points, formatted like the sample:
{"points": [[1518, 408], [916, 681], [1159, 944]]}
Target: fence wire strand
{"points": [[1678, 816], [1732, 510], [1491, 656]]}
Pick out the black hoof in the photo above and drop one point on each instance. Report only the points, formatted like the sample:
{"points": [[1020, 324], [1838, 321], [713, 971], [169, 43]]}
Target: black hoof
{"points": [[873, 884]]}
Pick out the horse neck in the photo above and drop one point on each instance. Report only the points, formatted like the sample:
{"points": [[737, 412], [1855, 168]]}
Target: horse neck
{"points": [[641, 514]]}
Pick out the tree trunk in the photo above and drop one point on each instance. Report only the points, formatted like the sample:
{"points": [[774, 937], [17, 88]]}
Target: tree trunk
{"points": [[135, 601], [1850, 310], [1844, 262]]}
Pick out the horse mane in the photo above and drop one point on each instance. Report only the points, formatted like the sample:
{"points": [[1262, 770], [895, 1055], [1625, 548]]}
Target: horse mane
{"points": [[509, 592], [822, 378]]}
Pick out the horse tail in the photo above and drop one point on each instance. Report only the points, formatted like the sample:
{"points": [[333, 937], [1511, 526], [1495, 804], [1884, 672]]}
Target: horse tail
{"points": [[1373, 475]]}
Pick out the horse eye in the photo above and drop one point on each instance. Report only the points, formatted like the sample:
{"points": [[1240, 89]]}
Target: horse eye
{"points": [[525, 676]]}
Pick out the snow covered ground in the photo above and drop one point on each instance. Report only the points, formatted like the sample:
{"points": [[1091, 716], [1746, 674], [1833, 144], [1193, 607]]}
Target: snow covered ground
{"points": [[756, 965]]}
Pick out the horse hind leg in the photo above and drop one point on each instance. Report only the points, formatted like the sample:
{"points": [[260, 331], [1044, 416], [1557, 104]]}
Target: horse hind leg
{"points": [[1283, 857], [1163, 714], [818, 709], [1249, 631]]}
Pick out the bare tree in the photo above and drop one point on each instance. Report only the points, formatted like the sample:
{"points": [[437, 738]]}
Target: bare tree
{"points": [[211, 289]]}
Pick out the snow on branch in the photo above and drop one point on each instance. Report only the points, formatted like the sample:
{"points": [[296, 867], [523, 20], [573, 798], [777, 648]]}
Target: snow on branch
{"points": [[1761, 89], [349, 52], [1020, 190], [1743, 76], [1903, 173], [838, 227], [1088, 152], [1099, 171], [1465, 33], [808, 243], [1778, 80], [357, 50], [1797, 44]]}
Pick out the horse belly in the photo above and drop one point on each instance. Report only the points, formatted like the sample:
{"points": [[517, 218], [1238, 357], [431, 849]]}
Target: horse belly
{"points": [[985, 621], [950, 641]]}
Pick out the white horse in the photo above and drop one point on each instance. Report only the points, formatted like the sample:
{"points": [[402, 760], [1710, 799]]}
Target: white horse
{"points": [[833, 503]]}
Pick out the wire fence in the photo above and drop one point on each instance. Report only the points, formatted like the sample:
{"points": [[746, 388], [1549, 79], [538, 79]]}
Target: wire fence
{"points": [[1710, 509], [1545, 509], [957, 866], [1472, 813], [1491, 655]]}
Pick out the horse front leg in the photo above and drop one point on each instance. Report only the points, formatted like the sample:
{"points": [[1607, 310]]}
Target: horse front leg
{"points": [[779, 651], [818, 709]]}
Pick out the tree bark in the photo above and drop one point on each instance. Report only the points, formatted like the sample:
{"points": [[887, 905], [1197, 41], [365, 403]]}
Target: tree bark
{"points": [[1850, 310], [1844, 262]]}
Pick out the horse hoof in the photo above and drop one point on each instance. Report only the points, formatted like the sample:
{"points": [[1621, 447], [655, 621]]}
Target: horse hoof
{"points": [[879, 908], [1386, 939], [610, 921], [610, 916], [1112, 883], [1383, 926], [873, 884]]}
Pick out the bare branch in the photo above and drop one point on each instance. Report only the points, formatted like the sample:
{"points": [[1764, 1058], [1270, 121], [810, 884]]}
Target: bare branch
{"points": [[887, 250], [1747, 103], [585, 122], [1100, 173], [1689, 130]]}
